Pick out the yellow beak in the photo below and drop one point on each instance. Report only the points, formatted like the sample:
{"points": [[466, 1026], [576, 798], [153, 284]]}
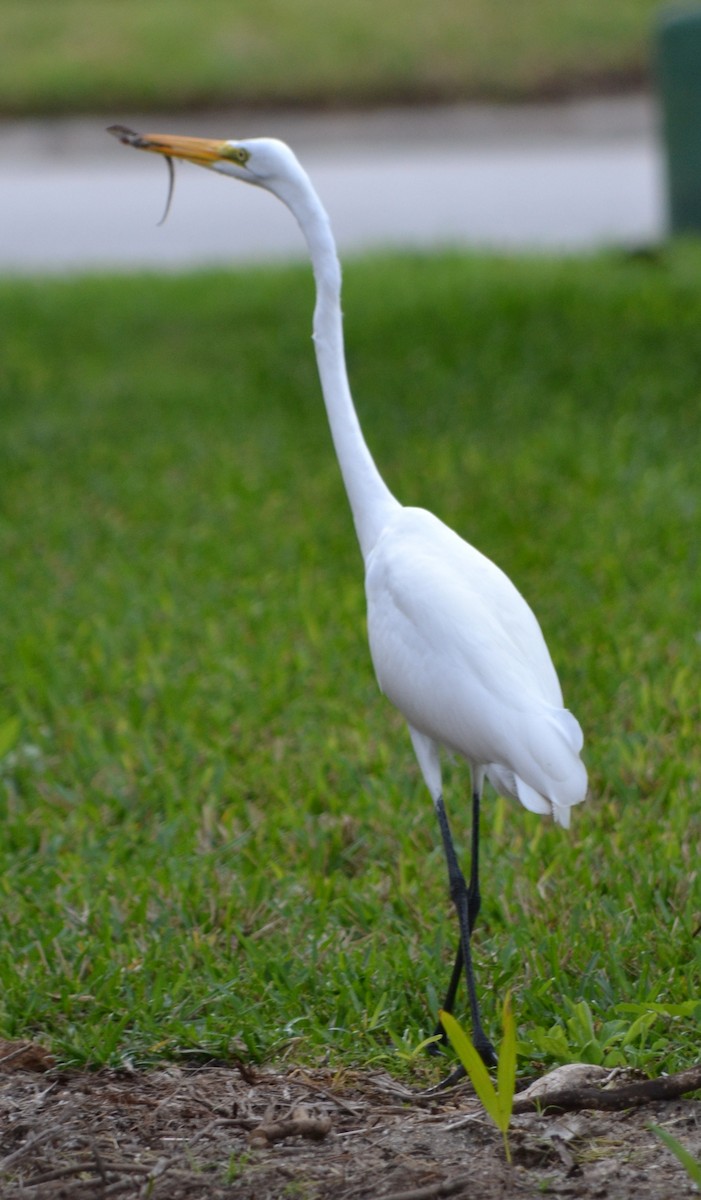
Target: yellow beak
{"points": [[203, 151]]}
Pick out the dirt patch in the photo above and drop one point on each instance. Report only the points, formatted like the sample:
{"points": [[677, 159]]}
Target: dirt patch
{"points": [[184, 1133]]}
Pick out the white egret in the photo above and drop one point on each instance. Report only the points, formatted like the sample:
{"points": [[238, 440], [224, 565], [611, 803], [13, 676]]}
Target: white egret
{"points": [[455, 646]]}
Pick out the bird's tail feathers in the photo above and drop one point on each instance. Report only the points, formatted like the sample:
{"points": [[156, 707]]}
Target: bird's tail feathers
{"points": [[563, 776], [534, 802], [531, 799], [561, 815], [506, 783]]}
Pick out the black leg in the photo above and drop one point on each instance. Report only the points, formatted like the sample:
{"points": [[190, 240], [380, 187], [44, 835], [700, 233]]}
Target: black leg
{"points": [[474, 899], [467, 902], [473, 907]]}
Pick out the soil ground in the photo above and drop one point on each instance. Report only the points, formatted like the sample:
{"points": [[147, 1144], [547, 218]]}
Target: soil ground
{"points": [[188, 1133]]}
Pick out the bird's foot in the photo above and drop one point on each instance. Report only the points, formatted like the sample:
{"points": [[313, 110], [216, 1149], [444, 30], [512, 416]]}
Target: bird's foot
{"points": [[436, 1046], [450, 1081], [485, 1049]]}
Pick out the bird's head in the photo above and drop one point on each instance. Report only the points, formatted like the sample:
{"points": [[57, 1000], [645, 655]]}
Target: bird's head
{"points": [[265, 162]]}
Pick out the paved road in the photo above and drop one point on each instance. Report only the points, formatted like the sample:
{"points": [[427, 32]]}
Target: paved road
{"points": [[561, 177]]}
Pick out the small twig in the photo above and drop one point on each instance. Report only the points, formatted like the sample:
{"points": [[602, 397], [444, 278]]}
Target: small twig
{"points": [[106, 1187], [246, 1072], [43, 1136], [155, 1173], [462, 1122], [75, 1168], [88, 1164], [315, 1128], [58, 1187], [667, 1087], [223, 1123], [426, 1098], [337, 1100], [99, 1166], [434, 1191]]}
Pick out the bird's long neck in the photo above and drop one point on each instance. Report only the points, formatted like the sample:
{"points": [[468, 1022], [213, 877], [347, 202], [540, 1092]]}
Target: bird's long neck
{"points": [[370, 499]]}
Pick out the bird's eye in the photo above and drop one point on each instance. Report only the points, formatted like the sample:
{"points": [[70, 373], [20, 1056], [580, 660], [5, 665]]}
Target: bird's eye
{"points": [[237, 154]]}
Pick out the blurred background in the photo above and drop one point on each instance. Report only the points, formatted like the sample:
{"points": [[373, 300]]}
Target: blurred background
{"points": [[460, 122]]}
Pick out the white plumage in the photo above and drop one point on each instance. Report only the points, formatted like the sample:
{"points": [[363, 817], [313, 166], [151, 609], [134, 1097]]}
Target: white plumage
{"points": [[461, 655], [455, 646]]}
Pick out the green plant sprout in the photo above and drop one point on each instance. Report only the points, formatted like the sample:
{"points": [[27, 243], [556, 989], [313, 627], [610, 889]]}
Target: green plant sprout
{"points": [[497, 1102], [690, 1164]]}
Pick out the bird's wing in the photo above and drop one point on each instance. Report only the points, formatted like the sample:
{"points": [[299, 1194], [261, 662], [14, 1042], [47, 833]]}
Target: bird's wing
{"points": [[454, 606], [459, 652]]}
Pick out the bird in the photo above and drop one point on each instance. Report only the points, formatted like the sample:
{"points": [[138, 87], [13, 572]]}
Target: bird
{"points": [[455, 646]]}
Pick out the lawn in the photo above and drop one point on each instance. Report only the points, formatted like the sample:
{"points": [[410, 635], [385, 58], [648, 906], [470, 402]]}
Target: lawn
{"points": [[83, 56], [215, 837]]}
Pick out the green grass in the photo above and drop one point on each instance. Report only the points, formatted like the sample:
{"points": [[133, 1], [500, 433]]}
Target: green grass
{"points": [[214, 834], [83, 55]]}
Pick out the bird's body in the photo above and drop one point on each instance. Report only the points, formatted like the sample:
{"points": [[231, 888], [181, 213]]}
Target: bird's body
{"points": [[459, 652], [455, 646]]}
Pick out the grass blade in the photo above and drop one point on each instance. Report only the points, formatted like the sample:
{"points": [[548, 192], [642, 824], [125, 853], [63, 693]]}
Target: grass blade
{"points": [[687, 1160], [9, 733], [471, 1061], [506, 1069]]}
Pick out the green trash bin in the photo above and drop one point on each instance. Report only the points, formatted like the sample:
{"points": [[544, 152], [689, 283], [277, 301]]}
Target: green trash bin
{"points": [[678, 54]]}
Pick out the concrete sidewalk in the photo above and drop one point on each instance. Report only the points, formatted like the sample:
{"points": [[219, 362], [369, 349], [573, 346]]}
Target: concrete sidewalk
{"points": [[563, 177]]}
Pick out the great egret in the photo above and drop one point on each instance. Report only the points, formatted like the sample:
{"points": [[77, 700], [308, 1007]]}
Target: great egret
{"points": [[455, 646]]}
